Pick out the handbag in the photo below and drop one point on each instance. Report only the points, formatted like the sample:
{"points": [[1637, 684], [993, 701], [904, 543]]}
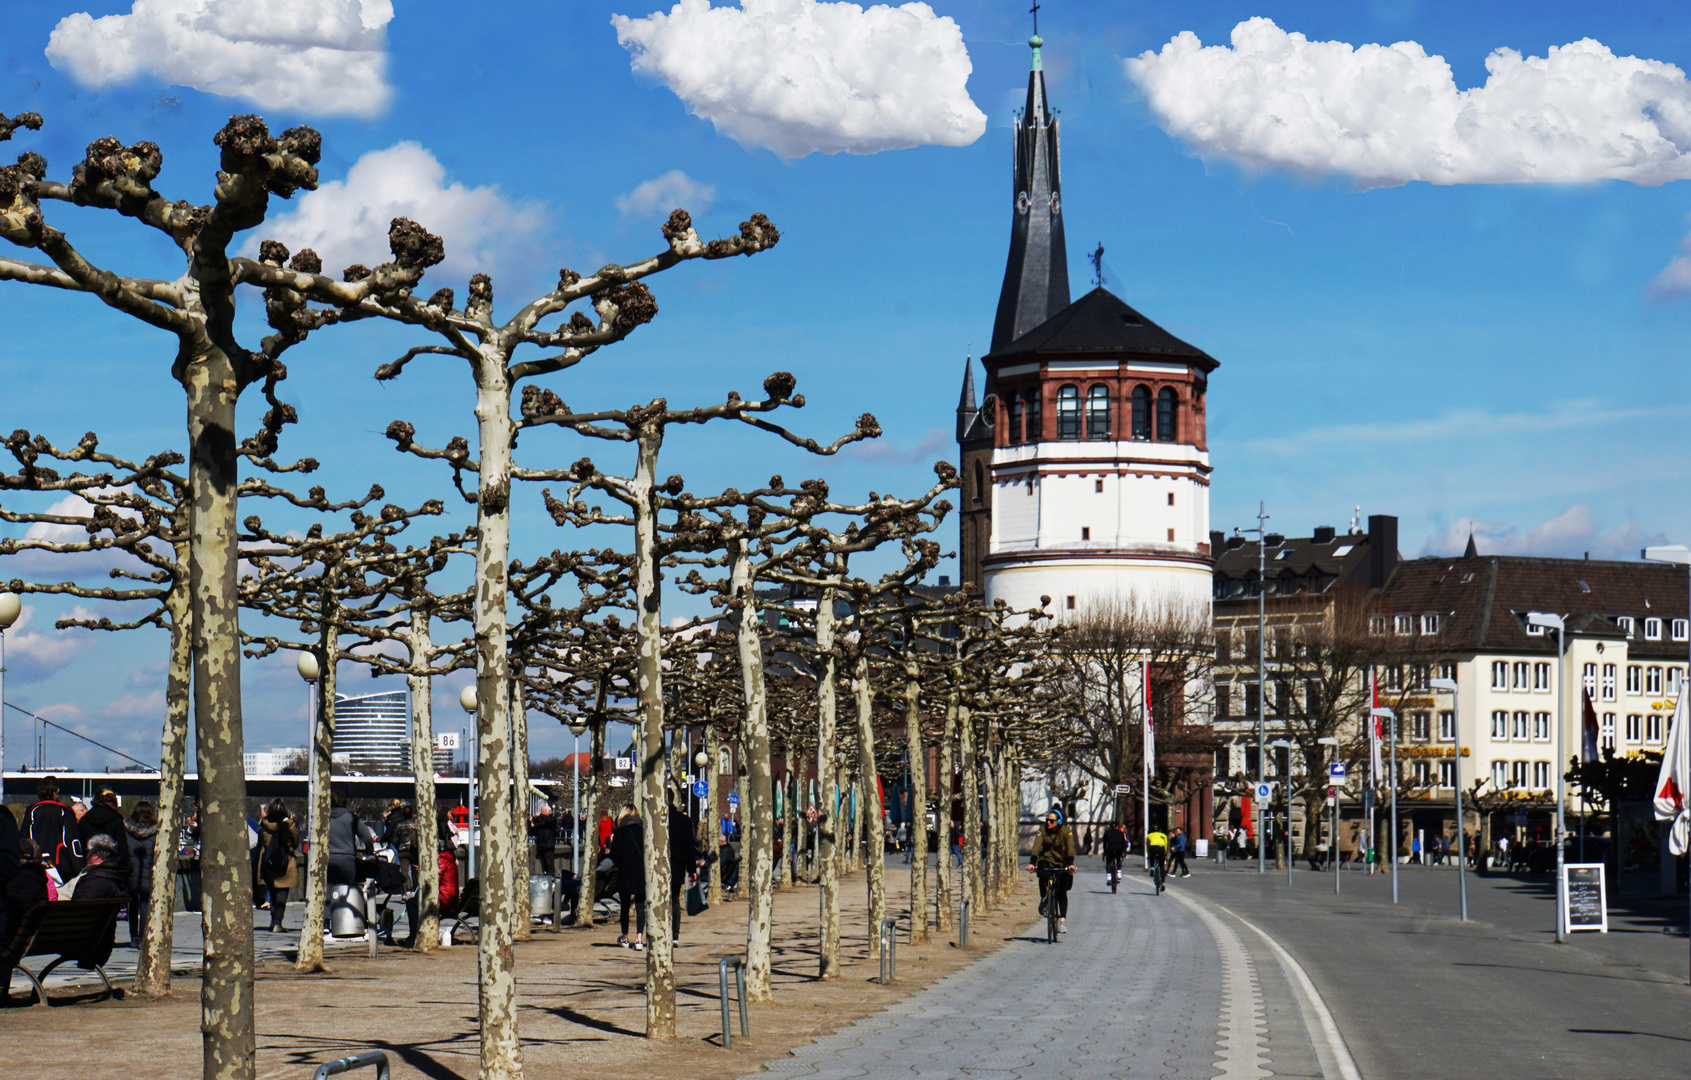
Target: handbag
{"points": [[696, 899]]}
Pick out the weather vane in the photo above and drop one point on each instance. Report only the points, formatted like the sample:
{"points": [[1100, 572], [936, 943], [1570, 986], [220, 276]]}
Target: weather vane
{"points": [[1097, 258]]}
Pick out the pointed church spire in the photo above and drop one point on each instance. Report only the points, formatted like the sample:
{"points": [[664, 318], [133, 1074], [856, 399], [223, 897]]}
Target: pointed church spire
{"points": [[967, 410], [1036, 278], [1472, 552]]}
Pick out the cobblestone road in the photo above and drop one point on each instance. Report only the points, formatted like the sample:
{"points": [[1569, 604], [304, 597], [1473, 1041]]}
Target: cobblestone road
{"points": [[1141, 986]]}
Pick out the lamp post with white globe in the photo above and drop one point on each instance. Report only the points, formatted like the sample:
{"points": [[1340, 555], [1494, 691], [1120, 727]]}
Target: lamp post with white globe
{"points": [[467, 700], [10, 608], [310, 670]]}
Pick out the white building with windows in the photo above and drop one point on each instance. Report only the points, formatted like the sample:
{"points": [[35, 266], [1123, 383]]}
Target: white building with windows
{"points": [[374, 731]]}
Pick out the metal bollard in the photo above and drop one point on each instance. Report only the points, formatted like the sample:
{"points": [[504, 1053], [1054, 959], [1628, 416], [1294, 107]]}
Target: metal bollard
{"points": [[964, 908], [356, 1061], [372, 923], [738, 963], [557, 906], [889, 950]]}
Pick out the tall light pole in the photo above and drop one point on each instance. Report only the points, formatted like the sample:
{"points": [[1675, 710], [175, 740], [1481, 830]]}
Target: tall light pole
{"points": [[1545, 621], [1262, 680], [310, 670], [576, 730], [10, 608], [467, 701], [1449, 686], [1333, 837], [1286, 783], [1391, 722], [1681, 555]]}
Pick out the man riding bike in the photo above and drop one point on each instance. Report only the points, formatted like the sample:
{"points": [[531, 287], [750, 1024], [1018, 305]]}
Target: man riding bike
{"points": [[1156, 849], [1115, 847], [1053, 858]]}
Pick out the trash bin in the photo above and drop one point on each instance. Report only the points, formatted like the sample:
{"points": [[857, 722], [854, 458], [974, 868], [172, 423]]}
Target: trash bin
{"points": [[346, 911], [542, 888]]}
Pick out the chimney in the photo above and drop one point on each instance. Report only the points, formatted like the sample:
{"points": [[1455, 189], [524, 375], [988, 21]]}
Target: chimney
{"points": [[944, 580], [1274, 539], [1324, 534], [1234, 541], [1217, 539], [1382, 548]]}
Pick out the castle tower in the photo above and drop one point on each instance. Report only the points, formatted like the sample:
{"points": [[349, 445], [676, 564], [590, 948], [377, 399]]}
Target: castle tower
{"points": [[1086, 464]]}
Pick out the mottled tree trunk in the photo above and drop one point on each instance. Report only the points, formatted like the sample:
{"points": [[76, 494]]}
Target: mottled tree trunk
{"points": [[590, 827], [972, 885], [521, 915], [152, 969], [789, 844], [827, 800], [226, 1002], [501, 1050], [874, 849], [310, 956], [710, 816], [653, 791], [426, 933], [944, 894], [918, 824]]}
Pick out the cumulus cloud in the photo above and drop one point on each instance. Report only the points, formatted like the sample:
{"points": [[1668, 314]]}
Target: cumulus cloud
{"points": [[135, 707], [1570, 534], [346, 221], [1387, 115], [802, 77], [32, 655], [1675, 279], [312, 56], [664, 193]]}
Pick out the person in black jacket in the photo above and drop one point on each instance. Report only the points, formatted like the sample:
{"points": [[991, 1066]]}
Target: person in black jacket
{"points": [[103, 879], [25, 890], [141, 831], [544, 828], [104, 818], [628, 853], [11, 849], [683, 864], [52, 825]]}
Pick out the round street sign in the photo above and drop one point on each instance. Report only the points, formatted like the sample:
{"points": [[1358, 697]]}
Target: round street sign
{"points": [[733, 798], [701, 789], [1265, 790]]}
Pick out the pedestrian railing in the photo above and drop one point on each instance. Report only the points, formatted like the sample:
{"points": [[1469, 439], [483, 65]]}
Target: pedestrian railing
{"points": [[964, 909], [889, 950], [356, 1061], [738, 963]]}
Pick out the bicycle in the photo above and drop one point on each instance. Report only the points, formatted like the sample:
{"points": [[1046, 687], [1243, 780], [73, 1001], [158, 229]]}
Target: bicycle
{"points": [[1047, 878], [1112, 870], [1159, 871]]}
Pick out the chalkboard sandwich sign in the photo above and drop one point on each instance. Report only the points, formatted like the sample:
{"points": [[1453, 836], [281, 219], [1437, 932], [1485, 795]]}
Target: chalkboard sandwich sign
{"points": [[1585, 905]]}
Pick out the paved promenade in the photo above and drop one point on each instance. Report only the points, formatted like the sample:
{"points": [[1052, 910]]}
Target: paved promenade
{"points": [[1141, 986]]}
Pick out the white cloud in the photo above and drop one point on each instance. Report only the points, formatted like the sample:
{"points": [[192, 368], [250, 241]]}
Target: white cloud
{"points": [[1675, 279], [937, 443], [135, 707], [32, 655], [311, 56], [801, 77], [346, 221], [664, 193], [1570, 534], [1387, 115]]}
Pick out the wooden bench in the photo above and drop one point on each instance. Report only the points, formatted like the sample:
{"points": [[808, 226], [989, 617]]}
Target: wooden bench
{"points": [[70, 930]]}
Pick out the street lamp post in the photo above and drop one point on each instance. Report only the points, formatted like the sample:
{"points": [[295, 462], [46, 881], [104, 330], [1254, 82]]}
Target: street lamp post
{"points": [[576, 730], [1262, 679], [1681, 555], [10, 608], [310, 671], [1286, 783], [1333, 833], [1449, 686], [1391, 846], [1545, 621], [467, 701]]}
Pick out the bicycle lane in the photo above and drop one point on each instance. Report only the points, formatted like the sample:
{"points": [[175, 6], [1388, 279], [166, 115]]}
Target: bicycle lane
{"points": [[1140, 986]]}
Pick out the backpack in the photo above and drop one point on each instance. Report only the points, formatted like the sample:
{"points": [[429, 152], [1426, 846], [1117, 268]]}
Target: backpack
{"points": [[276, 856]]}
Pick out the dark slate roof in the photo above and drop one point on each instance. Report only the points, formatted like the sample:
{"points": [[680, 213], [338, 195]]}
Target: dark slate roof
{"points": [[1100, 322], [1296, 556], [1485, 599]]}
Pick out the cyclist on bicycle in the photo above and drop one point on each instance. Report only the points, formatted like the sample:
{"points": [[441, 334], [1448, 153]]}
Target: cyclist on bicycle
{"points": [[1053, 858], [1156, 849], [1115, 847]]}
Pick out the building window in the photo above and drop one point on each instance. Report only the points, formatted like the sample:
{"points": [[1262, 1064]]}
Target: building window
{"points": [[1035, 418], [1068, 412], [1171, 536], [1141, 412], [1589, 677], [1171, 498], [1520, 675], [1518, 774], [1679, 629], [1098, 486], [1447, 670], [1394, 676], [1377, 625], [1422, 773], [1653, 629], [1500, 774], [1499, 675], [1608, 682], [1098, 413], [1166, 402], [1673, 681], [1253, 701], [980, 484], [1607, 731], [1541, 775], [1519, 732], [1634, 679], [1625, 623], [1540, 726], [1030, 485], [1653, 680], [1419, 723], [1404, 625], [1499, 725], [1447, 774], [1429, 624], [1223, 700], [1447, 725], [1085, 533], [1653, 728], [1014, 435], [1068, 603], [1541, 676], [1634, 727]]}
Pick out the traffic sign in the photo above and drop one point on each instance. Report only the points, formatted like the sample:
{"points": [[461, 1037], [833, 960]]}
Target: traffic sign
{"points": [[701, 789], [446, 740], [1332, 794], [733, 798], [1265, 789], [1336, 771], [624, 764]]}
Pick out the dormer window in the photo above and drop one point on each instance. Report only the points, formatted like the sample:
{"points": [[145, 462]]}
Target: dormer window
{"points": [[1652, 629], [1625, 622]]}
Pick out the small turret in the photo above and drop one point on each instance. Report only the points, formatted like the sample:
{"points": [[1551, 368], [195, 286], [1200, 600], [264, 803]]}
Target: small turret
{"points": [[967, 410]]}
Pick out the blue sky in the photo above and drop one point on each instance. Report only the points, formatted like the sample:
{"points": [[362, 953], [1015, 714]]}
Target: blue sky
{"points": [[1508, 354]]}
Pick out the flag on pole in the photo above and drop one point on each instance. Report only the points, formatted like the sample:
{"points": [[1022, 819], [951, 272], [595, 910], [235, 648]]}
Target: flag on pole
{"points": [[1375, 730], [1589, 742], [1672, 782], [1150, 728]]}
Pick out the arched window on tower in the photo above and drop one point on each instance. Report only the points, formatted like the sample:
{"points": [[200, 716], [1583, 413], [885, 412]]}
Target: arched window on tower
{"points": [[1166, 402], [1068, 412], [1034, 420], [1098, 412], [1014, 436], [1141, 412], [980, 484]]}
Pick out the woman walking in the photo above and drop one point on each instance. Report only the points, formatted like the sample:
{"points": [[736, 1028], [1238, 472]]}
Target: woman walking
{"points": [[277, 864], [628, 853], [141, 832]]}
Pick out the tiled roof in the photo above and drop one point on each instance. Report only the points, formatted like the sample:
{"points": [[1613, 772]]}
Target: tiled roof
{"points": [[1100, 322], [1483, 601], [1335, 558]]}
